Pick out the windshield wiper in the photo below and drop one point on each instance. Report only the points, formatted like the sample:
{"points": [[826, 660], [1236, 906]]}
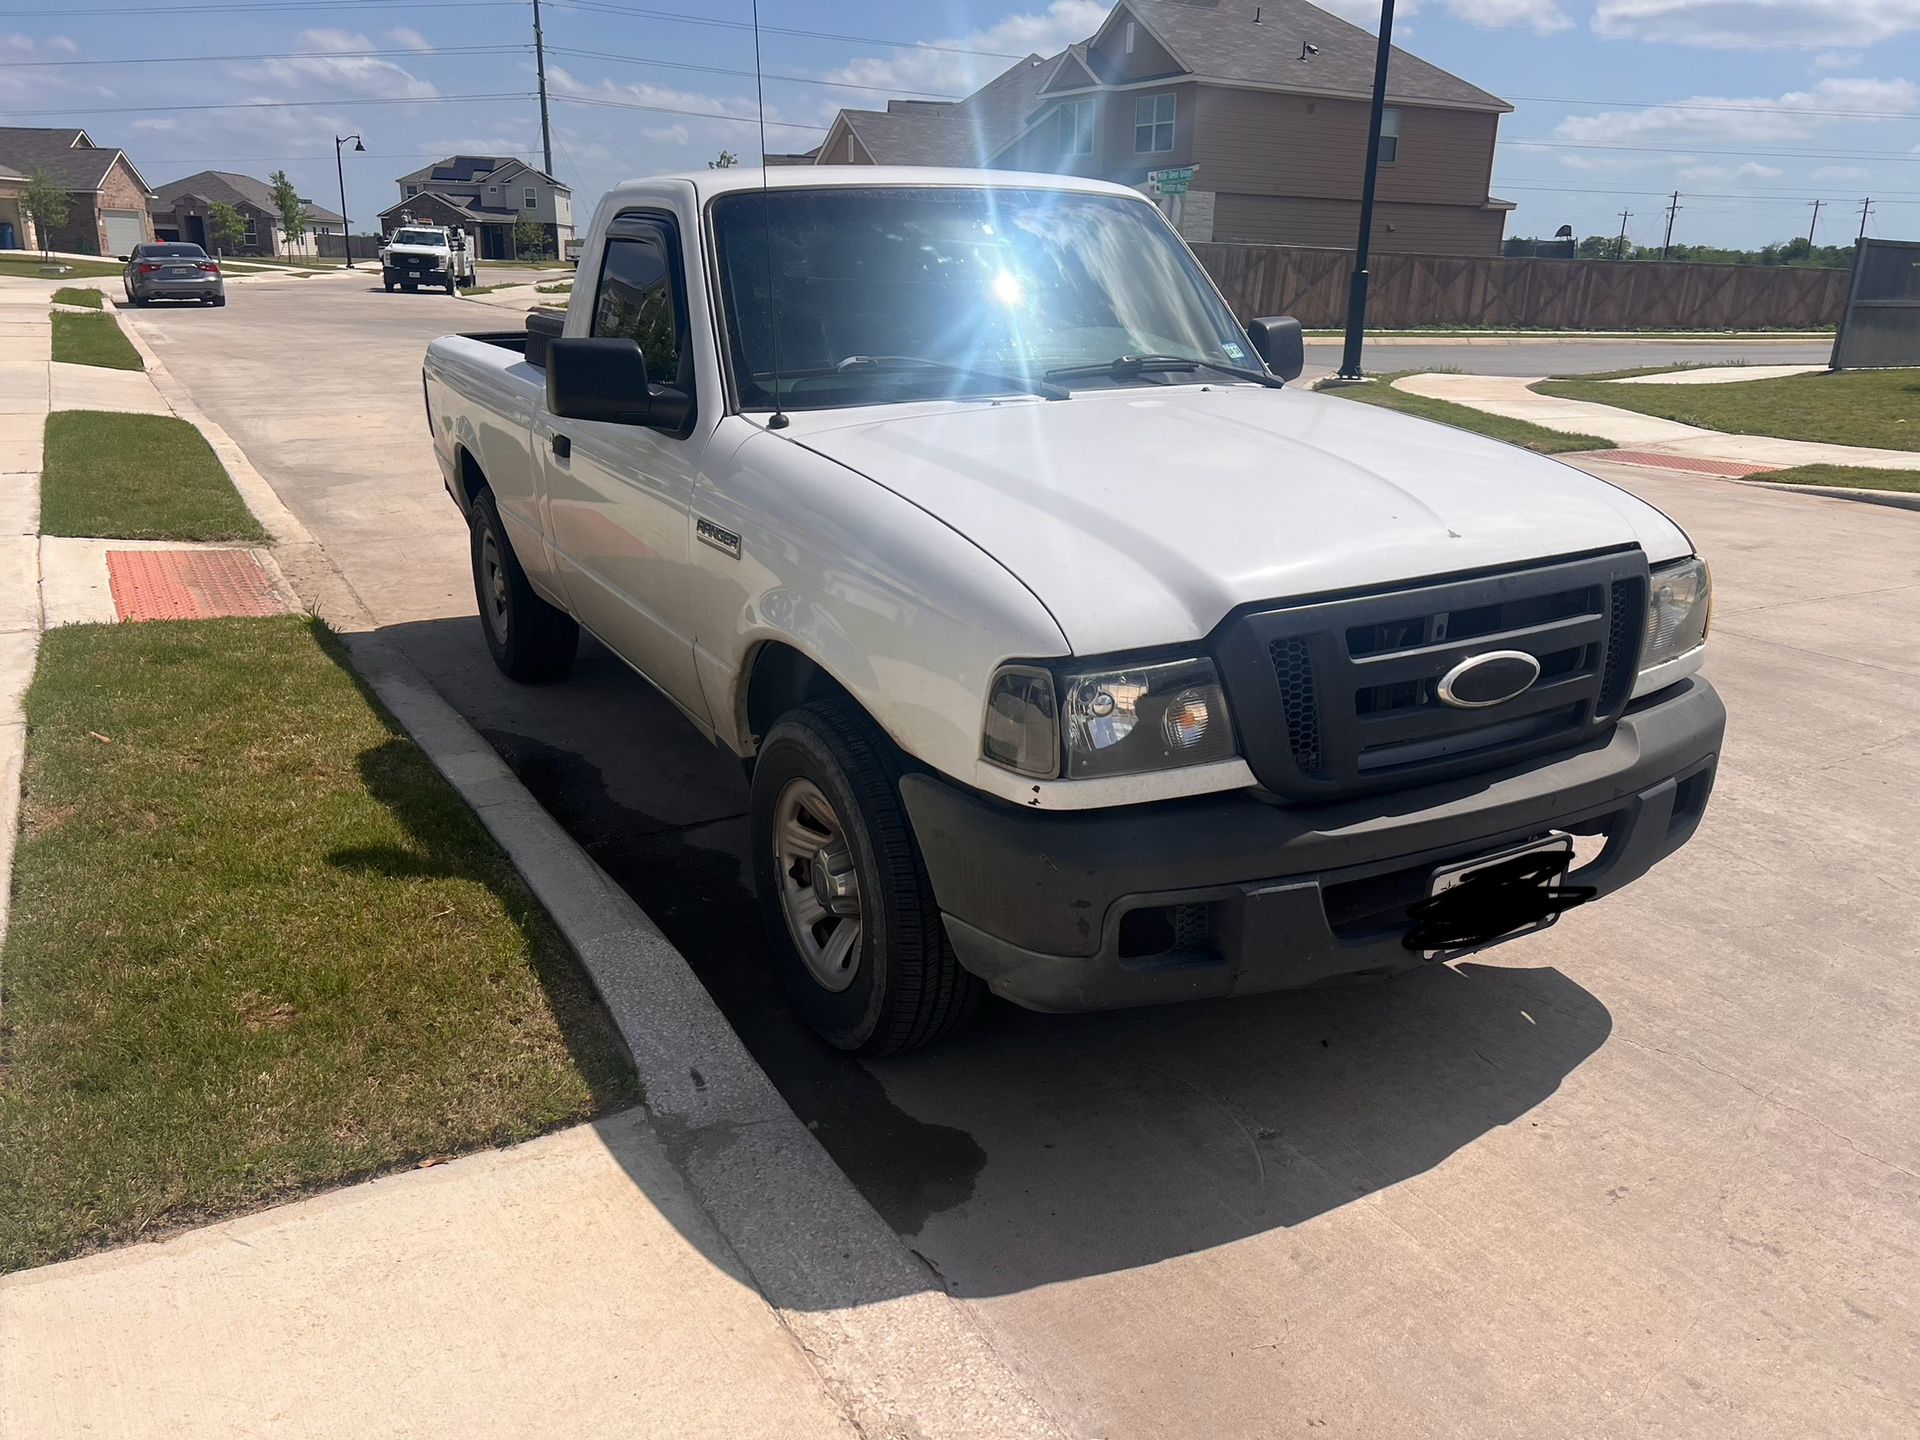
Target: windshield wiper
{"points": [[992, 377], [1126, 367]]}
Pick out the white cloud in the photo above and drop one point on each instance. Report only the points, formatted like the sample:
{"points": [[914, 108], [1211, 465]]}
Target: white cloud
{"points": [[1843, 172], [63, 43], [151, 124], [1784, 118], [1757, 24], [21, 43], [942, 71], [1543, 17], [327, 68], [1838, 60], [409, 38], [667, 134], [1749, 171]]}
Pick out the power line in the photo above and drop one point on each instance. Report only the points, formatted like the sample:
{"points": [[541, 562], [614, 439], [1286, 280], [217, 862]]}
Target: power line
{"points": [[607, 104], [675, 17], [256, 6], [274, 55], [1761, 108], [748, 74], [1906, 155], [341, 102], [1745, 195]]}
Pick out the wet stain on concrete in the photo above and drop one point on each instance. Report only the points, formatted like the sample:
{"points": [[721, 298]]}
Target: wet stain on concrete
{"points": [[696, 884]]}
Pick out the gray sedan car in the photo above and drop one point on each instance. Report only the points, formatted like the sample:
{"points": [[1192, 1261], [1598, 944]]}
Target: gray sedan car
{"points": [[173, 270]]}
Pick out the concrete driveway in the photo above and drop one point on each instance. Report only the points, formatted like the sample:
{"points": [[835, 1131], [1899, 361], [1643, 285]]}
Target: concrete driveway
{"points": [[1654, 1173]]}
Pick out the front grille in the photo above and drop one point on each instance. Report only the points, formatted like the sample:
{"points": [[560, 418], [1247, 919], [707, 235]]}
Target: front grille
{"points": [[1343, 695]]}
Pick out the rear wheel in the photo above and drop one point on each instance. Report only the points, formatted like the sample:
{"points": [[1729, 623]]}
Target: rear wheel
{"points": [[219, 300], [529, 639], [850, 915]]}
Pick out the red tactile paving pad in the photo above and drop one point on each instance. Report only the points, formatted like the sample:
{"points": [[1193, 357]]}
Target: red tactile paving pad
{"points": [[189, 584], [1654, 459]]}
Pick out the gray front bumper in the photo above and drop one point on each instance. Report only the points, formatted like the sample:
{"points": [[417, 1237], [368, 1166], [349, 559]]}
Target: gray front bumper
{"points": [[1262, 896]]}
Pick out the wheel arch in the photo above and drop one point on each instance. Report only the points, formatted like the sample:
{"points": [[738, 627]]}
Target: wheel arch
{"points": [[778, 677]]}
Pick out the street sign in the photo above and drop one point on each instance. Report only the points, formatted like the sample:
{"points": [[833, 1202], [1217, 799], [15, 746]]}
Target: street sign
{"points": [[1176, 181]]}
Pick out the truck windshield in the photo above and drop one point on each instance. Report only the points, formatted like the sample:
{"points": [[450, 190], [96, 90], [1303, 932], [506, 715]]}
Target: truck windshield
{"points": [[419, 237], [990, 285]]}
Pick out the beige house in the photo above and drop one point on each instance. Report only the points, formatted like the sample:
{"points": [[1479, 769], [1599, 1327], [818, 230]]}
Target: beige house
{"points": [[487, 196], [106, 197], [1267, 102], [181, 210]]}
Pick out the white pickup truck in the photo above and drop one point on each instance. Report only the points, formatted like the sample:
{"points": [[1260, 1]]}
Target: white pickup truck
{"points": [[416, 255], [1073, 654]]}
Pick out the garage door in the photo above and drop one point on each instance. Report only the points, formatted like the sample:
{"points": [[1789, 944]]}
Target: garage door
{"points": [[125, 229]]}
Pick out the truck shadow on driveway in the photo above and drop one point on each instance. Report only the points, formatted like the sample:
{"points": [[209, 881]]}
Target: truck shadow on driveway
{"points": [[1033, 1148]]}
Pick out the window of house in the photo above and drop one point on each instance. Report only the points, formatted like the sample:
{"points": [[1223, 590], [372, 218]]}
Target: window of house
{"points": [[1152, 124], [531, 199], [1131, 27], [636, 301], [1389, 136], [1076, 127], [412, 190]]}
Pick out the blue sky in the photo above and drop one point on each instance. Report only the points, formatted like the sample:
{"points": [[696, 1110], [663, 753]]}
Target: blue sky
{"points": [[1789, 99]]}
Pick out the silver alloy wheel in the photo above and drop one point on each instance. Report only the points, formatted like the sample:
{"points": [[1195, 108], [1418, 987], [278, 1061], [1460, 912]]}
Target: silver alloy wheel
{"points": [[819, 888], [495, 575]]}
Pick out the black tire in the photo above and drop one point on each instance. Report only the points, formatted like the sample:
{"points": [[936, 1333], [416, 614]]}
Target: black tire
{"points": [[389, 285], [908, 990], [219, 300], [140, 300], [530, 640], [452, 288]]}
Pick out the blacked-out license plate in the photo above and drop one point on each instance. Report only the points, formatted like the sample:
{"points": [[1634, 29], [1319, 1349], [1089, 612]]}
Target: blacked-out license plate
{"points": [[1494, 898]]}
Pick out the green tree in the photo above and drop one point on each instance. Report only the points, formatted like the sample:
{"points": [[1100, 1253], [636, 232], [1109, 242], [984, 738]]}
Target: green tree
{"points": [[226, 227], [45, 200], [293, 210], [726, 161], [529, 238]]}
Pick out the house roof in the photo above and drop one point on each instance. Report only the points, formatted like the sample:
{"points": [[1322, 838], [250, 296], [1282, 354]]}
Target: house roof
{"points": [[319, 214], [218, 186], [960, 132], [1220, 40], [66, 153], [461, 210], [465, 169]]}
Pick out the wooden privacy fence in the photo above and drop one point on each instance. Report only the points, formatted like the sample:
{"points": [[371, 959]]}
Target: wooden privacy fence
{"points": [[1414, 290]]}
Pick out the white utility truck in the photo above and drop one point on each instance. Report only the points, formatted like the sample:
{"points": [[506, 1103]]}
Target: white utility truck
{"points": [[1074, 654], [436, 255]]}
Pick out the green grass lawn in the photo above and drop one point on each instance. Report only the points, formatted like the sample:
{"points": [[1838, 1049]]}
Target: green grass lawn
{"points": [[93, 340], [76, 295], [1465, 417], [27, 263], [1880, 408], [1851, 477], [137, 477], [259, 947], [565, 287]]}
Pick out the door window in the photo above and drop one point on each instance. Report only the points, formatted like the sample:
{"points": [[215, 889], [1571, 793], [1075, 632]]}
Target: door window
{"points": [[636, 300]]}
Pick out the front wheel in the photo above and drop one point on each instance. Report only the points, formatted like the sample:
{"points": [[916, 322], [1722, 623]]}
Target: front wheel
{"points": [[529, 639], [850, 915]]}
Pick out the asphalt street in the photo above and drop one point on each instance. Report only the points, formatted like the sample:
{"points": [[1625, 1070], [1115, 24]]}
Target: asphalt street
{"points": [[1651, 1173]]}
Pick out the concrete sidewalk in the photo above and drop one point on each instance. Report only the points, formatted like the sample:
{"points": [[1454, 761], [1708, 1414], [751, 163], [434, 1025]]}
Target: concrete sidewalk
{"points": [[569, 1286], [1510, 396]]}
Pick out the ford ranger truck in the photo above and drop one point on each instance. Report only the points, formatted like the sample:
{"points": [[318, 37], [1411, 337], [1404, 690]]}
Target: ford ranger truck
{"points": [[417, 255], [1073, 653]]}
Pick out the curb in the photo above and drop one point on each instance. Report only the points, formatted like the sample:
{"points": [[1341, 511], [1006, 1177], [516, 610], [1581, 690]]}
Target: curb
{"points": [[1895, 499], [898, 1354]]}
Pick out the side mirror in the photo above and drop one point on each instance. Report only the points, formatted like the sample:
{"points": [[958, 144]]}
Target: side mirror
{"points": [[1278, 341], [605, 379], [126, 259]]}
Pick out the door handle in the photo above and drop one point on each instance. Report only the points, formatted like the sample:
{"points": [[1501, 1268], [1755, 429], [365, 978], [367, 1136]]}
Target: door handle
{"points": [[562, 446]]}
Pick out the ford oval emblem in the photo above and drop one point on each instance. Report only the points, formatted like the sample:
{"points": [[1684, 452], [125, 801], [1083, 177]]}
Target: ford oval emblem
{"points": [[1490, 679]]}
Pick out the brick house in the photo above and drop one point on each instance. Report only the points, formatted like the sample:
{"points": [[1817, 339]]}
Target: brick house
{"points": [[180, 211], [485, 195], [1269, 102], [107, 198]]}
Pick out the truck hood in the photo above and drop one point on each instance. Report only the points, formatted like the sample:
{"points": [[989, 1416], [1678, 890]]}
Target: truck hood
{"points": [[1141, 517], [433, 250]]}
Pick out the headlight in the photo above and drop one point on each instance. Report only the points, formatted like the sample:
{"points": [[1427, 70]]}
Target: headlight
{"points": [[1108, 721], [1679, 606]]}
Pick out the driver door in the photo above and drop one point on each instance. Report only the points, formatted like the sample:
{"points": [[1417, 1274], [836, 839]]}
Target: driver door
{"points": [[619, 496]]}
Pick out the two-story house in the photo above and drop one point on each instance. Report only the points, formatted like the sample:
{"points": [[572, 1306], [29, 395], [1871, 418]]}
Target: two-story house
{"points": [[182, 208], [1268, 102], [487, 196]]}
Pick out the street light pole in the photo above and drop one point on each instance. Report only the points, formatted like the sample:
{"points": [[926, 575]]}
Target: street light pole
{"points": [[346, 225], [1357, 292]]}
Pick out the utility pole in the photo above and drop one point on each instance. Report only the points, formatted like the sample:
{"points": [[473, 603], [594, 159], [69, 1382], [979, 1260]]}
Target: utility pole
{"points": [[540, 69], [1816, 220], [1357, 290], [1866, 209], [1672, 210], [1620, 250]]}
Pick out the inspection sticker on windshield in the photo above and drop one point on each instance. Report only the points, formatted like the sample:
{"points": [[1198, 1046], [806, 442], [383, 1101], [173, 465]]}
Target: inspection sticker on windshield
{"points": [[1234, 352]]}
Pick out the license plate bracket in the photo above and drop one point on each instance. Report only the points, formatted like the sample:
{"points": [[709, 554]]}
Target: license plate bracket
{"points": [[1490, 899]]}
